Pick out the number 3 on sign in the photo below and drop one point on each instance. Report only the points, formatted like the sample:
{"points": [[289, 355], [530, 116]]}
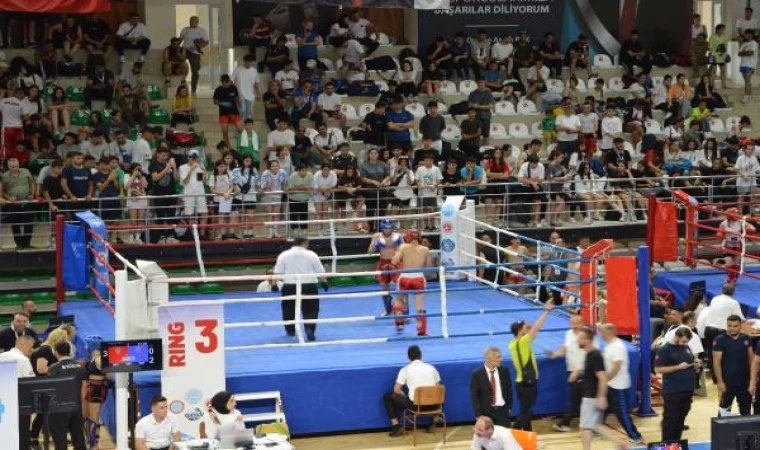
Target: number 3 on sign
{"points": [[207, 331]]}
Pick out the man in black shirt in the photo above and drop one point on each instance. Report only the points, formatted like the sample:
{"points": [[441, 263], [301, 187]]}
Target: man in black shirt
{"points": [[72, 422], [96, 34], [428, 148], [227, 98], [109, 189], [343, 159], [452, 177], [163, 175], [76, 182], [432, 125], [632, 53], [375, 126], [549, 50], [469, 144], [731, 356], [51, 186], [19, 327], [303, 152], [274, 105], [617, 155], [277, 54], [100, 86], [577, 55], [594, 402], [678, 367]]}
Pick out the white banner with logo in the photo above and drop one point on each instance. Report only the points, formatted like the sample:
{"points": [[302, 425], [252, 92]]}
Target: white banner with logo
{"points": [[193, 340], [9, 404], [450, 256]]}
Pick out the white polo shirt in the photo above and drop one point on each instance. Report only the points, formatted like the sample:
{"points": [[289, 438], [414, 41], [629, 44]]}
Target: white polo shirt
{"points": [[189, 35], [11, 109], [329, 102], [613, 352], [298, 260], [245, 79], [502, 439], [695, 343], [575, 357], [721, 307], [156, 435], [23, 365], [140, 30], [418, 374], [571, 121]]}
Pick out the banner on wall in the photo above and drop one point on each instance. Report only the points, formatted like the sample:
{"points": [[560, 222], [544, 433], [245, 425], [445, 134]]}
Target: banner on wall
{"points": [[416, 4], [56, 6], [194, 370], [9, 404]]}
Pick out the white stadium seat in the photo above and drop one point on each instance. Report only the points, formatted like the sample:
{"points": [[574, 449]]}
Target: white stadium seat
{"points": [[291, 40], [628, 146], [365, 109], [731, 121], [653, 126], [467, 86], [519, 130], [602, 61], [555, 85], [716, 125], [505, 108], [536, 130], [310, 133], [442, 108], [382, 85], [451, 133], [525, 106], [657, 80], [328, 63], [616, 84], [592, 82], [582, 85], [497, 131], [448, 88], [338, 134], [416, 109], [349, 111]]}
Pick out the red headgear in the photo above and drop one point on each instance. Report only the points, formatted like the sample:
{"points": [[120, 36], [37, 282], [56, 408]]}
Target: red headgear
{"points": [[412, 235]]}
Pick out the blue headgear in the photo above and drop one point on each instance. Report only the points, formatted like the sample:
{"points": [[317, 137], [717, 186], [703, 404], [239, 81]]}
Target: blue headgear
{"points": [[92, 343], [386, 225]]}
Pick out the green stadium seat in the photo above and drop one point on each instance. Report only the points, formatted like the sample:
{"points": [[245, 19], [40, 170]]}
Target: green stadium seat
{"points": [[210, 288], [342, 281], [182, 289], [11, 299], [43, 297]]}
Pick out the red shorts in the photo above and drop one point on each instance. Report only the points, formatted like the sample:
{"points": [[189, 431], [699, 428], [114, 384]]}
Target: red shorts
{"points": [[387, 264], [97, 391], [233, 119], [412, 283], [516, 279], [11, 137]]}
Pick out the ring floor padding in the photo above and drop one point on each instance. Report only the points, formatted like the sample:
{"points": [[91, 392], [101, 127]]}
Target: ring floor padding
{"points": [[337, 388], [678, 281]]}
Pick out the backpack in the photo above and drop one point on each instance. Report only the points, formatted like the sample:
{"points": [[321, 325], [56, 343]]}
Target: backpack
{"points": [[47, 91], [363, 88], [381, 63], [406, 52], [153, 92], [70, 69], [181, 138], [459, 109], [106, 116], [75, 93]]}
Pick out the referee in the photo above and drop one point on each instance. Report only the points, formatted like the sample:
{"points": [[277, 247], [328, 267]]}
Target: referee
{"points": [[300, 260]]}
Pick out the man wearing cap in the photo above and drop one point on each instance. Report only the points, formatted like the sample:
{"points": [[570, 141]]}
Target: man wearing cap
{"points": [[482, 100], [432, 125], [13, 127], [524, 361], [132, 34], [480, 52], [299, 260]]}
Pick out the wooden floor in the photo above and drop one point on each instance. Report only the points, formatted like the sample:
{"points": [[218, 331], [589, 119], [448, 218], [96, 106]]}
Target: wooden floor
{"points": [[458, 437]]}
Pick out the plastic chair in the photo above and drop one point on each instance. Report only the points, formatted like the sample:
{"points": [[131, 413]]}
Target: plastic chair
{"points": [[448, 88], [497, 131], [616, 84], [467, 86], [416, 109], [365, 109], [716, 125], [451, 133], [582, 85], [338, 134], [537, 130], [592, 82], [382, 85], [291, 40], [328, 63], [602, 61], [518, 130], [428, 402], [554, 85], [310, 133], [349, 111], [731, 121], [653, 126], [526, 106], [505, 108]]}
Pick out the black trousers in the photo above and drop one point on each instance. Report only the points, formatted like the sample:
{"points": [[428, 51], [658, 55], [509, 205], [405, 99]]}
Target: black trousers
{"points": [[676, 408], [67, 423], [377, 204], [21, 218], [574, 406], [195, 68], [742, 398], [122, 45], [370, 44], [527, 395], [309, 307], [396, 402], [299, 211], [105, 94], [710, 335], [23, 432], [165, 209], [500, 416], [555, 67]]}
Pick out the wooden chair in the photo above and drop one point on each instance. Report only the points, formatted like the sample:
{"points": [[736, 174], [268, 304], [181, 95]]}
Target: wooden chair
{"points": [[428, 402]]}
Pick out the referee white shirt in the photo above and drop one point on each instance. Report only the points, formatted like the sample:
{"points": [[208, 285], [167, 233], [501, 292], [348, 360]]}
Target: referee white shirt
{"points": [[721, 307], [23, 365], [155, 434], [417, 374], [502, 439], [298, 260]]}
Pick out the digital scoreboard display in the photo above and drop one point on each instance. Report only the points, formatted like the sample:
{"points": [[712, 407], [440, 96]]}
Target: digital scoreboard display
{"points": [[132, 356]]}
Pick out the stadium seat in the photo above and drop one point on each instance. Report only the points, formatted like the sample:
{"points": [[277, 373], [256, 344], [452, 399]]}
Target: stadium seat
{"points": [[505, 108], [328, 63], [349, 111], [365, 109], [442, 108], [519, 130], [550, 148], [338, 134], [210, 288], [525, 106], [310, 133], [731, 121], [451, 133], [497, 131], [628, 146], [467, 86], [716, 125], [555, 85], [416, 109], [291, 43], [653, 126], [602, 61], [582, 85], [536, 130], [338, 64], [616, 84], [448, 88], [383, 39], [417, 66], [382, 85], [657, 80]]}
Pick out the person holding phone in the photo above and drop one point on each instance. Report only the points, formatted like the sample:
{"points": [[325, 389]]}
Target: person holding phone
{"points": [[193, 177], [678, 366]]}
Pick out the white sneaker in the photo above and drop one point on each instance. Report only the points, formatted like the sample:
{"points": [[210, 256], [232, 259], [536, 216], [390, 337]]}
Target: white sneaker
{"points": [[586, 220], [137, 240], [572, 219], [624, 218]]}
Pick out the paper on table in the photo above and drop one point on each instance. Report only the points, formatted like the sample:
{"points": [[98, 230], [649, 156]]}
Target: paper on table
{"points": [[225, 205]]}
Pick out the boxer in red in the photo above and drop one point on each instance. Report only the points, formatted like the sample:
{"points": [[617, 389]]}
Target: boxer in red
{"points": [[730, 234], [386, 242], [412, 255]]}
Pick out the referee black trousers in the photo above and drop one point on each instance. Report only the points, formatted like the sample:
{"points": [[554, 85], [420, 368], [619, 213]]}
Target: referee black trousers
{"points": [[741, 394], [64, 424], [676, 406], [309, 307]]}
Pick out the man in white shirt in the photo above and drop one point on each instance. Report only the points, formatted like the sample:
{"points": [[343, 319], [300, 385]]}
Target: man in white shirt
{"points": [[142, 154], [567, 125], [194, 40], [193, 177], [488, 436], [612, 128], [414, 375], [746, 23], [660, 93], [20, 354], [721, 306], [618, 379], [300, 260], [537, 76], [288, 77], [13, 126], [283, 135], [329, 105], [532, 174], [270, 284], [748, 61], [361, 29], [575, 357], [501, 52], [678, 319], [246, 78], [132, 34], [156, 431], [352, 55], [429, 178], [96, 146], [325, 142]]}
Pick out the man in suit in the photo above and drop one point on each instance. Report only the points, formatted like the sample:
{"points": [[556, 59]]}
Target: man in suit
{"points": [[491, 389]]}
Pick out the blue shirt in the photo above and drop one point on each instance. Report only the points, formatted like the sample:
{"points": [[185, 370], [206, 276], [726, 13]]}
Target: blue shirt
{"points": [[308, 51], [398, 117], [478, 174], [311, 98], [491, 76], [680, 380], [78, 180]]}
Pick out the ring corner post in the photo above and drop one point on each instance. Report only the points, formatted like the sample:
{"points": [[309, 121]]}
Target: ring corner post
{"points": [[645, 399], [122, 391]]}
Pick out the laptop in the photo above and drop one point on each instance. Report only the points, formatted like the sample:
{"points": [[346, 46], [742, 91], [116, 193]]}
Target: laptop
{"points": [[232, 437]]}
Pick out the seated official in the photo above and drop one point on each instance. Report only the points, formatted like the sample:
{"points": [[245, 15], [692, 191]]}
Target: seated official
{"points": [[488, 436], [414, 375], [221, 414], [19, 327], [270, 284], [156, 431]]}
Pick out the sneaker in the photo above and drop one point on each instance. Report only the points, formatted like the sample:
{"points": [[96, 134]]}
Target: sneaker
{"points": [[572, 219], [162, 240], [141, 58], [122, 59], [561, 428], [396, 431], [587, 220], [623, 217]]}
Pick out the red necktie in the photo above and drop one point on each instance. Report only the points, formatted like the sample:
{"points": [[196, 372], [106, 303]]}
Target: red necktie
{"points": [[627, 19], [493, 387]]}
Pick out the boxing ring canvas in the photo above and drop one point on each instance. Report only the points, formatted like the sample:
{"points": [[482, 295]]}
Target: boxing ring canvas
{"points": [[336, 388], [678, 283]]}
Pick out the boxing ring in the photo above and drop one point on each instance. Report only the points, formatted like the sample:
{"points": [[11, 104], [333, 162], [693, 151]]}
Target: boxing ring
{"points": [[335, 384]]}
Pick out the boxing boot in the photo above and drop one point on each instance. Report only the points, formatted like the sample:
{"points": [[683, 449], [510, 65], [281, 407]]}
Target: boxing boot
{"points": [[733, 273], [398, 309], [422, 324]]}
